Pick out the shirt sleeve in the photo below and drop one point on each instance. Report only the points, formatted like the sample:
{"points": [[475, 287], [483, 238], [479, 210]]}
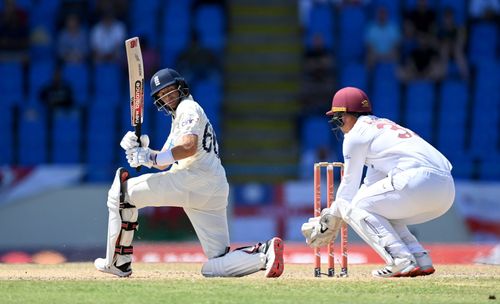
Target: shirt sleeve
{"points": [[189, 122], [355, 151]]}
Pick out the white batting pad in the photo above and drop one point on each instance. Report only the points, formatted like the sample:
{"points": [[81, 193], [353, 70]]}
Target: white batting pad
{"points": [[114, 227], [234, 264], [114, 219]]}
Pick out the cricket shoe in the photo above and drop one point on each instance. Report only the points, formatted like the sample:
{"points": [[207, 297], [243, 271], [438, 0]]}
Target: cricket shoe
{"points": [[400, 268], [122, 271], [419, 271], [424, 263], [273, 249]]}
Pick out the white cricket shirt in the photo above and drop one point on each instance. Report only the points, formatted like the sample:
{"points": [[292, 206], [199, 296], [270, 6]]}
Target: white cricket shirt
{"points": [[383, 146], [191, 119]]}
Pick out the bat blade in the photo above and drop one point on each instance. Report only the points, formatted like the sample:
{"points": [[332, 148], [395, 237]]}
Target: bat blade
{"points": [[136, 84], [136, 80]]}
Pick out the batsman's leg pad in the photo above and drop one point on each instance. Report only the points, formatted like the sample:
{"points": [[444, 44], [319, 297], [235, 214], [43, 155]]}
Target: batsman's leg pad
{"points": [[236, 263], [129, 225], [376, 231], [122, 222], [114, 229]]}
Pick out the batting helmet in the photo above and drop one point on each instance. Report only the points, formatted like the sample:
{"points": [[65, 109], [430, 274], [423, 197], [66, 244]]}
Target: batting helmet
{"points": [[162, 79], [351, 100], [165, 77]]}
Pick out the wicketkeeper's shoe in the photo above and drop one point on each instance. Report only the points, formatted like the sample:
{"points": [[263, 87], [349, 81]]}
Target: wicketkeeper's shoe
{"points": [[273, 249], [419, 271], [424, 263], [122, 271], [400, 268]]}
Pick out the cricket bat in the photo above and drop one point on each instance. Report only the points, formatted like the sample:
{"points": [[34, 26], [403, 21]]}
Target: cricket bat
{"points": [[136, 85]]}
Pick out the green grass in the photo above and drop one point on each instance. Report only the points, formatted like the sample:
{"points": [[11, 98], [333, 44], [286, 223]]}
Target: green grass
{"points": [[182, 283]]}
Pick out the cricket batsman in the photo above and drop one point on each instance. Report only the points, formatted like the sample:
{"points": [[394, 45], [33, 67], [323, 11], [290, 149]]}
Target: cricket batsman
{"points": [[195, 181], [407, 182]]}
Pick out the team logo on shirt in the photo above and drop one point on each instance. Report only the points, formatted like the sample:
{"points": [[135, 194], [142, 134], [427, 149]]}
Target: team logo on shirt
{"points": [[187, 122]]}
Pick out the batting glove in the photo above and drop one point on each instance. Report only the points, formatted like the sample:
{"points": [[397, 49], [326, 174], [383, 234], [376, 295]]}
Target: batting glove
{"points": [[140, 156], [129, 141]]}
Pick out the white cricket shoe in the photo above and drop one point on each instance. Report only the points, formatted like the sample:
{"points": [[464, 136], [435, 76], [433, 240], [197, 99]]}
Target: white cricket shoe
{"points": [[273, 249], [402, 267], [122, 271], [424, 263]]}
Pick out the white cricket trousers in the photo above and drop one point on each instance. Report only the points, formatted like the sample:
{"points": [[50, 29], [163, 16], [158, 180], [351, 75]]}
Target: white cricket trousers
{"points": [[413, 196], [203, 197]]}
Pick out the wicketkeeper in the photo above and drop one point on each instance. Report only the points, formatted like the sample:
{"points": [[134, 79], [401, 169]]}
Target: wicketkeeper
{"points": [[407, 182], [195, 181]]}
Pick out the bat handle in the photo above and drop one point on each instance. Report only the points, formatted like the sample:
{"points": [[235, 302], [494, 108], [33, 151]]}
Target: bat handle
{"points": [[138, 134]]}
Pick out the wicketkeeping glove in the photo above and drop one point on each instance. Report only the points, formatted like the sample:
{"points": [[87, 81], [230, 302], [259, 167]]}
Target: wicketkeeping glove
{"points": [[321, 230], [129, 141]]}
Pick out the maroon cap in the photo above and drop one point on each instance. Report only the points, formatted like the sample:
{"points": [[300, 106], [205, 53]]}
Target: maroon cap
{"points": [[350, 99]]}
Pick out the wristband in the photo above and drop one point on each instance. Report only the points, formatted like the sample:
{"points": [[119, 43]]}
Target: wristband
{"points": [[164, 158]]}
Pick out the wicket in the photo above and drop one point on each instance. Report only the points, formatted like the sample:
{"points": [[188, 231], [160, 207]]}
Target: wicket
{"points": [[317, 211]]}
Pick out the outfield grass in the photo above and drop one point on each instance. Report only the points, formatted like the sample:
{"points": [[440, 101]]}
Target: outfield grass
{"points": [[182, 283]]}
